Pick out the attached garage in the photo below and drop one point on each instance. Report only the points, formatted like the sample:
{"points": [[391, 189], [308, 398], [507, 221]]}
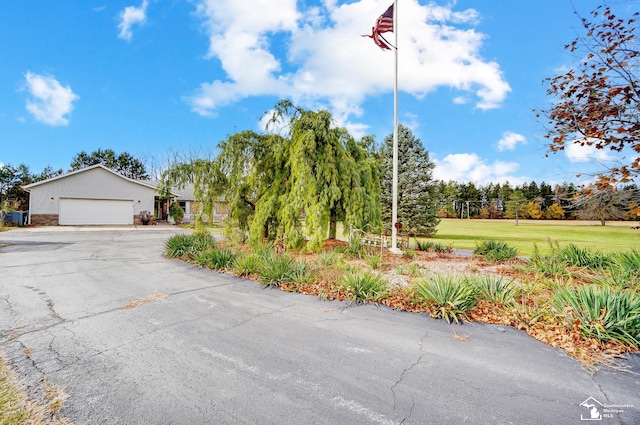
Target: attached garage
{"points": [[94, 195], [95, 211]]}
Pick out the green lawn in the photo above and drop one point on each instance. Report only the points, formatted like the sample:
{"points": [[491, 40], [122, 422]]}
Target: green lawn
{"points": [[465, 233]]}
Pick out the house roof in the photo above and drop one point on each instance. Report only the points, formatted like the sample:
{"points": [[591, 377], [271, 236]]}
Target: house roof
{"points": [[83, 170], [182, 193], [185, 192]]}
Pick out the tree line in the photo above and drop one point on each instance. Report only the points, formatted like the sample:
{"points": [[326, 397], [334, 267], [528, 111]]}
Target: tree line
{"points": [[531, 200]]}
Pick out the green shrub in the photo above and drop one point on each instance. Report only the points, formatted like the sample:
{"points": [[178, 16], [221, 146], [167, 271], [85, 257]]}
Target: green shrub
{"points": [[328, 258], [302, 272], [410, 254], [623, 279], [450, 296], [245, 265], [603, 313], [442, 249], [496, 289], [367, 286], [423, 245], [177, 246], [216, 258], [355, 249], [628, 261], [495, 251], [572, 255], [188, 245], [548, 266], [277, 268], [176, 212], [373, 261]]}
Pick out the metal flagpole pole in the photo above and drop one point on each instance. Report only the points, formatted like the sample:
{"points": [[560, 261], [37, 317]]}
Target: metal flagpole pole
{"points": [[394, 211]]}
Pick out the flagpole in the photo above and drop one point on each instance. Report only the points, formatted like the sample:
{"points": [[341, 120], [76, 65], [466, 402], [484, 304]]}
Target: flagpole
{"points": [[394, 210]]}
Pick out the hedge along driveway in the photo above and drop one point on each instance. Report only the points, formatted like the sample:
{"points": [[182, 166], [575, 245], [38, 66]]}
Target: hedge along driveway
{"points": [[137, 338]]}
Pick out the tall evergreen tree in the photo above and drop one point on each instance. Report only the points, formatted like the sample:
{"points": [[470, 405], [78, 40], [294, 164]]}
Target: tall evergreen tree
{"points": [[516, 206], [417, 209]]}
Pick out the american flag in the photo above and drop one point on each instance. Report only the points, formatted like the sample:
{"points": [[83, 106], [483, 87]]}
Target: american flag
{"points": [[383, 24]]}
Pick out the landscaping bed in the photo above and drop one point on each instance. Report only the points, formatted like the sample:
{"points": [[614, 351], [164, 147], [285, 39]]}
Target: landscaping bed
{"points": [[582, 301]]}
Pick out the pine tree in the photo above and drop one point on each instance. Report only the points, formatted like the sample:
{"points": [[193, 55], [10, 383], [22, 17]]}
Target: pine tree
{"points": [[417, 209]]}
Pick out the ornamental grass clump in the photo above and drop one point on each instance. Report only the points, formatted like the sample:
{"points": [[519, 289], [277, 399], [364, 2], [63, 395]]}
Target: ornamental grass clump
{"points": [[422, 245], [188, 246], [364, 286], [495, 251], [355, 248], [442, 248], [216, 258], [448, 296], [281, 268], [328, 258], [547, 266], [496, 289], [573, 255], [628, 262], [603, 313], [373, 261], [245, 265]]}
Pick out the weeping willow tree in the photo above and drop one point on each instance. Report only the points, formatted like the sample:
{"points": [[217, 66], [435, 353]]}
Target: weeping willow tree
{"points": [[333, 179], [207, 179], [249, 174], [255, 166], [363, 196], [290, 188]]}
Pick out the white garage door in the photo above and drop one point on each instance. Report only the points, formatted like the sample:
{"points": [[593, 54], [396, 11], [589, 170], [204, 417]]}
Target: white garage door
{"points": [[95, 211]]}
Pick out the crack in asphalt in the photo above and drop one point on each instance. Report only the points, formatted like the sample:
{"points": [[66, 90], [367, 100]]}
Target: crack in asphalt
{"points": [[61, 321], [48, 301], [402, 376]]}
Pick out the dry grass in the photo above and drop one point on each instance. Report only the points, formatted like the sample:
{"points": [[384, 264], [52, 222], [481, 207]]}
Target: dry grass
{"points": [[151, 298], [19, 408]]}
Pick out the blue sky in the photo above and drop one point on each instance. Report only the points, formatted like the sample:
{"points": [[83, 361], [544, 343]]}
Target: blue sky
{"points": [[153, 77]]}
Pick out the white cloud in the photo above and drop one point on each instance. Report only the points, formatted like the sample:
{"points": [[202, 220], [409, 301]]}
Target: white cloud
{"points": [[575, 152], [510, 140], [469, 167], [460, 100], [50, 102], [130, 16], [320, 56]]}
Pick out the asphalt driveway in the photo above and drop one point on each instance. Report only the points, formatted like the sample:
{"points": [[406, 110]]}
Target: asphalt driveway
{"points": [[221, 350]]}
